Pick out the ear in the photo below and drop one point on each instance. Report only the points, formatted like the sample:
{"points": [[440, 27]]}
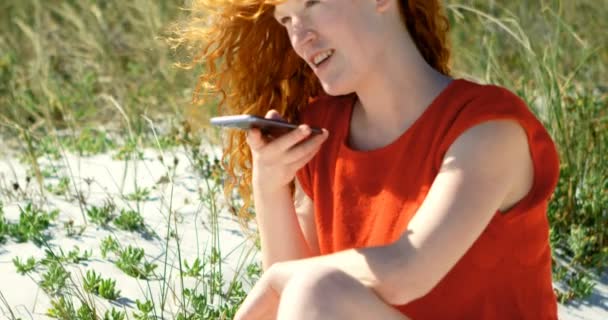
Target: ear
{"points": [[383, 5]]}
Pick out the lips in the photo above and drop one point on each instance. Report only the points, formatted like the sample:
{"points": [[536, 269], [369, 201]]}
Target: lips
{"points": [[311, 58], [323, 63]]}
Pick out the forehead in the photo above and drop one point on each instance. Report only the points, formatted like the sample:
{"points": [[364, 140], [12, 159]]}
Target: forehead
{"points": [[280, 7]]}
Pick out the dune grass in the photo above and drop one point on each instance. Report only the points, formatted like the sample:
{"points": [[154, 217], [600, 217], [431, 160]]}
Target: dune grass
{"points": [[95, 77]]}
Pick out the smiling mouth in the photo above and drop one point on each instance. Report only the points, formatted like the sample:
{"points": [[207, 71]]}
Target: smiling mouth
{"points": [[320, 57], [323, 62]]}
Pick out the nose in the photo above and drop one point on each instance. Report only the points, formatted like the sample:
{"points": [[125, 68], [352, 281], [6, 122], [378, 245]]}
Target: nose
{"points": [[301, 35]]}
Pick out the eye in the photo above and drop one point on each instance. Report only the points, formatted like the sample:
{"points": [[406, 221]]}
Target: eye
{"points": [[307, 4], [311, 2]]}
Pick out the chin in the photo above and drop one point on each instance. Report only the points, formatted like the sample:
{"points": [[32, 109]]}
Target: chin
{"points": [[334, 88]]}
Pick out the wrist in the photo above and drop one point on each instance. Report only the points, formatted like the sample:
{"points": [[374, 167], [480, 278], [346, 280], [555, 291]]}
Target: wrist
{"points": [[262, 187]]}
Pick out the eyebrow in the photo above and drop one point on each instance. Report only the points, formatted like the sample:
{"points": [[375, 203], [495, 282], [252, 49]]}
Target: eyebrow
{"points": [[274, 10]]}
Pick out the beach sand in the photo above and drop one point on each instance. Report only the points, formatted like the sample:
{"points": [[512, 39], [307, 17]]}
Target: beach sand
{"points": [[101, 177]]}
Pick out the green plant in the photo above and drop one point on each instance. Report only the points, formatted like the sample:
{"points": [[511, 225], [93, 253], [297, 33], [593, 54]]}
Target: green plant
{"points": [[236, 295], [216, 256], [131, 261], [130, 220], [24, 267], [145, 310], [73, 256], [45, 171], [54, 279], [579, 285], [216, 282], [90, 142], [85, 312], [109, 244], [3, 225], [114, 315], [195, 270], [254, 271], [167, 141], [44, 146], [91, 281], [102, 215], [105, 288], [206, 167], [129, 151], [32, 223], [61, 188], [61, 308], [139, 195], [73, 231], [204, 308]]}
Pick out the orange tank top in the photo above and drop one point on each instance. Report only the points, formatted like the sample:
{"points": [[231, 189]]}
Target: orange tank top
{"points": [[367, 198]]}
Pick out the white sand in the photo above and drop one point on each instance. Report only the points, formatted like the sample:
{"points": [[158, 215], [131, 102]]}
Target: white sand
{"points": [[194, 229]]}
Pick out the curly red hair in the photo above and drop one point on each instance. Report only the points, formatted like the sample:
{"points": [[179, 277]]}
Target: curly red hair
{"points": [[248, 60]]}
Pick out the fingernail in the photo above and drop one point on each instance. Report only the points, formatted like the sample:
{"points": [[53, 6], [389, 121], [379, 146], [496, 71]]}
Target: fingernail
{"points": [[304, 129]]}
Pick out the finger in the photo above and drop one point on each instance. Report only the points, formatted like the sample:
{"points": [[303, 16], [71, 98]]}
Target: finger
{"points": [[298, 164], [273, 114], [313, 138], [305, 148], [286, 141], [255, 139]]}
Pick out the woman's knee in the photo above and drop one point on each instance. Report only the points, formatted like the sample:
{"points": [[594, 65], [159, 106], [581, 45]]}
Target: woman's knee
{"points": [[321, 291]]}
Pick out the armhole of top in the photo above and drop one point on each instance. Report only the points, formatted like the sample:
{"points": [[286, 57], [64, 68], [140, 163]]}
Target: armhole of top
{"points": [[305, 180], [541, 147]]}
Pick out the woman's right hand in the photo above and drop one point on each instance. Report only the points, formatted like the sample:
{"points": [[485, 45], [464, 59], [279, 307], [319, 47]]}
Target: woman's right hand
{"points": [[275, 161]]}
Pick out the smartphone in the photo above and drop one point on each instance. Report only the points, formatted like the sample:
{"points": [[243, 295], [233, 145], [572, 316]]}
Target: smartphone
{"points": [[274, 128]]}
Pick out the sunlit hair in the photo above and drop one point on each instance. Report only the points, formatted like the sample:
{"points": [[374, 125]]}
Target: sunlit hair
{"points": [[248, 62]]}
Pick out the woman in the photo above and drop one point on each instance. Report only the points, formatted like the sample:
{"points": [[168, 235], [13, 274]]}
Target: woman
{"points": [[424, 198]]}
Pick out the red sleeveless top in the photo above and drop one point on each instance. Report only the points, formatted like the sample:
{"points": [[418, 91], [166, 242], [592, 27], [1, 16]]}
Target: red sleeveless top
{"points": [[367, 198]]}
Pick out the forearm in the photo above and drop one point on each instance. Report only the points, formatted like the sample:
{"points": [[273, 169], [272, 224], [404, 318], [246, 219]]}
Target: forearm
{"points": [[280, 234], [383, 269]]}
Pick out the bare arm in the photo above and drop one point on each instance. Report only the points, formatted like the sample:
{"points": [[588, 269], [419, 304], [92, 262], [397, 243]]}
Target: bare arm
{"points": [[279, 221], [284, 226]]}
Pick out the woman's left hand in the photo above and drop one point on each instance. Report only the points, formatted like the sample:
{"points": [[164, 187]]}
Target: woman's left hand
{"points": [[262, 302]]}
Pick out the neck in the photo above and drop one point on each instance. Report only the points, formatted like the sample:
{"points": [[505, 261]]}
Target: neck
{"points": [[399, 88]]}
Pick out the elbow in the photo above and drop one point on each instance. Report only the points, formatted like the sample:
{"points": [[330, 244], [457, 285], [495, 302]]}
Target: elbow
{"points": [[401, 291], [410, 280]]}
